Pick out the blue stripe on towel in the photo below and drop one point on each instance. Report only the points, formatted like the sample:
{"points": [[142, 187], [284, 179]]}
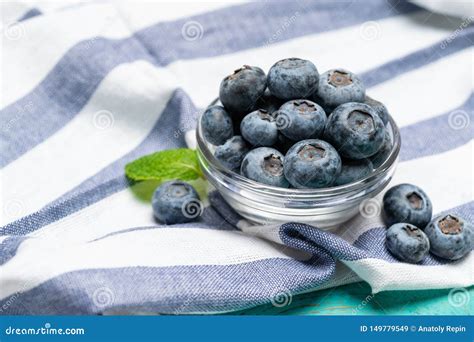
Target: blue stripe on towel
{"points": [[173, 290], [74, 79]]}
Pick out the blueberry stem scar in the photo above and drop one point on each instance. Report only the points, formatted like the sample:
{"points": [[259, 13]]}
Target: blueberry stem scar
{"points": [[450, 225], [416, 202]]}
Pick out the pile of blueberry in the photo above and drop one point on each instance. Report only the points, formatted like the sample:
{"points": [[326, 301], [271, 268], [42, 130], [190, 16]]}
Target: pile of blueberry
{"points": [[412, 233], [297, 128]]}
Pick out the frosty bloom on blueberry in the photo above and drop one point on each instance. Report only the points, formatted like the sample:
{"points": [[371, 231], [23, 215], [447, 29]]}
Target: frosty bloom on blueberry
{"points": [[259, 128], [301, 119], [407, 242], [379, 108], [293, 78], [264, 165], [451, 236], [176, 202], [355, 130], [232, 152], [216, 125], [240, 91], [339, 86], [353, 170], [312, 164], [407, 203]]}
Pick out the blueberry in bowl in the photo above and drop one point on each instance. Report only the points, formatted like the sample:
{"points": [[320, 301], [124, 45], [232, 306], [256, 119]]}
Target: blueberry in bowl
{"points": [[339, 86], [301, 119], [312, 163], [293, 78], [217, 125], [289, 159], [240, 91], [355, 130], [259, 128], [264, 165]]}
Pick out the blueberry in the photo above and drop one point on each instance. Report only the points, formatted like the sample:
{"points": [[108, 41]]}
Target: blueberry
{"points": [[353, 170], [264, 165], [283, 143], [312, 163], [407, 203], [381, 156], [407, 242], [176, 202], [339, 86], [379, 108], [269, 102], [451, 237], [293, 78], [216, 125], [232, 152], [240, 91], [301, 119], [259, 128], [355, 130]]}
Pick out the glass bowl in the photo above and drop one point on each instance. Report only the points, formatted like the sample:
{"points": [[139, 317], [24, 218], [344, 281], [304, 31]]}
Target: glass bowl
{"points": [[324, 208]]}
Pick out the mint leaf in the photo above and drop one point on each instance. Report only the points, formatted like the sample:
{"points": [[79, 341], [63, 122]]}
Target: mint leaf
{"points": [[180, 163]]}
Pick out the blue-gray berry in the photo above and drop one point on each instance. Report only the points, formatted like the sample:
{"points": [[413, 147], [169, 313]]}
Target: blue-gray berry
{"points": [[269, 102], [264, 165], [407, 242], [176, 202], [451, 237], [293, 78], [353, 170], [301, 119], [240, 91], [407, 203], [312, 163], [379, 108], [355, 130], [259, 128], [339, 86], [381, 156], [216, 125], [232, 152]]}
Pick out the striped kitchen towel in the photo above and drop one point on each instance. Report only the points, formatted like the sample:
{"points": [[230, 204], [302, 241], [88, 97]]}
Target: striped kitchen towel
{"points": [[89, 87]]}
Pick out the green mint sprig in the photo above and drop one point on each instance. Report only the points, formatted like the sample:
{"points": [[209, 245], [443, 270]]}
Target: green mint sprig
{"points": [[180, 163]]}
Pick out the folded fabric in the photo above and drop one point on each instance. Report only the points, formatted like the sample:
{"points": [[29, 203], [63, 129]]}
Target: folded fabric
{"points": [[76, 237]]}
